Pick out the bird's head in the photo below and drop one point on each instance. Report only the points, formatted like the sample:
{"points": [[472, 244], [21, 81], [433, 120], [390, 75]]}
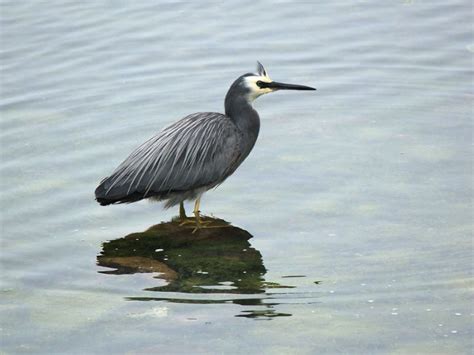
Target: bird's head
{"points": [[259, 83]]}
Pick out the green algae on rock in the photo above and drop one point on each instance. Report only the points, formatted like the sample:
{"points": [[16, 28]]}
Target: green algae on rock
{"points": [[215, 259]]}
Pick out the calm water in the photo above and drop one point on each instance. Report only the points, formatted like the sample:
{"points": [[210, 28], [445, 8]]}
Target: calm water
{"points": [[352, 215]]}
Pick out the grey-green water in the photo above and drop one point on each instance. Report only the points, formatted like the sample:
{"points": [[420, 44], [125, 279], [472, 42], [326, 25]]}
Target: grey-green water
{"points": [[358, 196]]}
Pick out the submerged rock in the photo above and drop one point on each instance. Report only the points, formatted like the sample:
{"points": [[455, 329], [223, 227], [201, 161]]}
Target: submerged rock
{"points": [[218, 258]]}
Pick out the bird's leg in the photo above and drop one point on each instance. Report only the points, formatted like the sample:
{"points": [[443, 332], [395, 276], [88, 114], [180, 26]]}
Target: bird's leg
{"points": [[197, 221], [196, 211], [197, 214], [182, 212], [182, 216]]}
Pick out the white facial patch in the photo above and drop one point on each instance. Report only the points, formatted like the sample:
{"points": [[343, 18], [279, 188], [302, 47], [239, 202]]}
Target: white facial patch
{"points": [[255, 90]]}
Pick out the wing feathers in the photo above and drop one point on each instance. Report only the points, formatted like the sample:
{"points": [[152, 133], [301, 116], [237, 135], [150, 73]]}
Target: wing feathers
{"points": [[198, 151]]}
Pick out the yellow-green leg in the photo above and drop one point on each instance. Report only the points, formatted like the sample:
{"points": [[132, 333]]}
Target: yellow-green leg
{"points": [[182, 211], [198, 222], [196, 211]]}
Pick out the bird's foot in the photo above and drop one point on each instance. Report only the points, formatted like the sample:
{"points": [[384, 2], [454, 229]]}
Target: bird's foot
{"points": [[197, 223], [200, 225], [192, 221]]}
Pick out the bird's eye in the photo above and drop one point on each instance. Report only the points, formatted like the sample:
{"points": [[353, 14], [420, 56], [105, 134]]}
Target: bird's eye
{"points": [[259, 83]]}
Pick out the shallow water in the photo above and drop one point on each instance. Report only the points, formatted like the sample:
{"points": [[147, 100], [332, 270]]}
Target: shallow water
{"points": [[358, 197]]}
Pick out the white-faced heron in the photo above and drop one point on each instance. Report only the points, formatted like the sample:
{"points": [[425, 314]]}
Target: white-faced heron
{"points": [[194, 154]]}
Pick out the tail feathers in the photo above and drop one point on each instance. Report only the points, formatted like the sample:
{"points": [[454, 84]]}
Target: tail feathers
{"points": [[105, 195], [104, 201]]}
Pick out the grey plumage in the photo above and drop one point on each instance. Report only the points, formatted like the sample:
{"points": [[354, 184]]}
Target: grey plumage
{"points": [[182, 159], [194, 154]]}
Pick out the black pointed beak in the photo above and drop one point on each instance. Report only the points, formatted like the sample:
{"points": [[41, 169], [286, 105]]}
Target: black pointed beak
{"points": [[282, 86]]}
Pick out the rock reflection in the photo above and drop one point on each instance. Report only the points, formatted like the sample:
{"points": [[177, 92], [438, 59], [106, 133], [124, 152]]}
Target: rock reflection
{"points": [[214, 260]]}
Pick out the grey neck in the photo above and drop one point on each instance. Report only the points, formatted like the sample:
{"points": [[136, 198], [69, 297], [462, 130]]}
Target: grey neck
{"points": [[245, 118], [241, 112]]}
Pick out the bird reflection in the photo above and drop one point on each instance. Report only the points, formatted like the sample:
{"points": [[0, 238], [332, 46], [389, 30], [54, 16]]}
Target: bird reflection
{"points": [[216, 259]]}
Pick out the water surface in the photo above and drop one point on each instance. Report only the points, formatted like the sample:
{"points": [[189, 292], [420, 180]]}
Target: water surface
{"points": [[355, 204]]}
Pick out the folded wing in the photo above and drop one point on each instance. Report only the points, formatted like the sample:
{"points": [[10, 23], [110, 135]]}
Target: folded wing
{"points": [[199, 151]]}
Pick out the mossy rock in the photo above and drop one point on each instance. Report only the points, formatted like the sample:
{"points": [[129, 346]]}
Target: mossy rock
{"points": [[218, 258]]}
